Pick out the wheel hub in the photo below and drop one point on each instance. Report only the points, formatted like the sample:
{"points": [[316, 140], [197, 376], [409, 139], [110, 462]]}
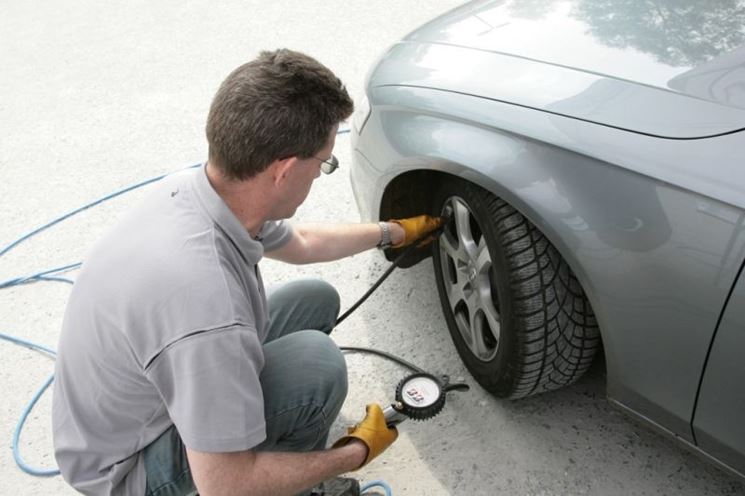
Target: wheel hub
{"points": [[472, 273]]}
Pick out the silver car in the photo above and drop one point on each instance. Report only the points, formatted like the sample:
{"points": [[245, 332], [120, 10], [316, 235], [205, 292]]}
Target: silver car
{"points": [[593, 155]]}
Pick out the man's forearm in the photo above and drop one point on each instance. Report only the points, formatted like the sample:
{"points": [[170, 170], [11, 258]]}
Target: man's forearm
{"points": [[335, 241], [270, 473], [326, 242]]}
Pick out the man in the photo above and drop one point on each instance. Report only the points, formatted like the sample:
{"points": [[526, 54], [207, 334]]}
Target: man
{"points": [[175, 373]]}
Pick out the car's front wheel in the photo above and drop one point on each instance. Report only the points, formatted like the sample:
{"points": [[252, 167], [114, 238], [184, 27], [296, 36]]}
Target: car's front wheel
{"points": [[517, 314]]}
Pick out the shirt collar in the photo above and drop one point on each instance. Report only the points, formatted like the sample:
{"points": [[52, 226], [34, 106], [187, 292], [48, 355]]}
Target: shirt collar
{"points": [[218, 211]]}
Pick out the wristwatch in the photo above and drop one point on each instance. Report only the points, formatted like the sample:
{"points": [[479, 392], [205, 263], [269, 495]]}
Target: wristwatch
{"points": [[385, 236]]}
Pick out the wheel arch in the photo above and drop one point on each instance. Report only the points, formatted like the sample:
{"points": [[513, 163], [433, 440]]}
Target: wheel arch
{"points": [[421, 146], [410, 193]]}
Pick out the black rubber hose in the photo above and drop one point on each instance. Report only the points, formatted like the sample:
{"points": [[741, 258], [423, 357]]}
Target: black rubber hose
{"points": [[447, 215], [375, 286], [383, 354]]}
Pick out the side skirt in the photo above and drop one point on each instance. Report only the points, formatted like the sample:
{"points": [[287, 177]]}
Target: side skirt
{"points": [[679, 440]]}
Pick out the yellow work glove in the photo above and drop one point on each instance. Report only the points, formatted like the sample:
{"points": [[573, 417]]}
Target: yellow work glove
{"points": [[372, 431], [416, 227]]}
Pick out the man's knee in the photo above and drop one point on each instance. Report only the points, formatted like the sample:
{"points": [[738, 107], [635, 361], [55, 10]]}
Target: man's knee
{"points": [[302, 304], [318, 293], [323, 360], [322, 290], [305, 383], [306, 364]]}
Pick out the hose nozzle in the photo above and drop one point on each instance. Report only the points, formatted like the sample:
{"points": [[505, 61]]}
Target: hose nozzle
{"points": [[447, 215]]}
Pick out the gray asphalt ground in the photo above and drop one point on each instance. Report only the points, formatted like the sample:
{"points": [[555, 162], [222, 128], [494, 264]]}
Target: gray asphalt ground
{"points": [[95, 96]]}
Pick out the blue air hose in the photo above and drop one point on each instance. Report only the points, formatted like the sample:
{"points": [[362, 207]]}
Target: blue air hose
{"points": [[377, 483]]}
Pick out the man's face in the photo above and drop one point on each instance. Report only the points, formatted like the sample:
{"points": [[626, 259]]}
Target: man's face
{"points": [[301, 177]]}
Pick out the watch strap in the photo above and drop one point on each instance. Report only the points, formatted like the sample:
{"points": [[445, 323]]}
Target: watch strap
{"points": [[385, 236]]}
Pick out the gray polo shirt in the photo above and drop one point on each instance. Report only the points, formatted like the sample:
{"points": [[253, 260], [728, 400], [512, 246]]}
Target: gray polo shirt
{"points": [[164, 325]]}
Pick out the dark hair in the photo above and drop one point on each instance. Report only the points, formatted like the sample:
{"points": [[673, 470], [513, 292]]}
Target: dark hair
{"points": [[282, 104]]}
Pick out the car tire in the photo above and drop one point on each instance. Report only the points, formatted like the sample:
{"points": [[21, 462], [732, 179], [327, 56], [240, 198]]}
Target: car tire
{"points": [[516, 313]]}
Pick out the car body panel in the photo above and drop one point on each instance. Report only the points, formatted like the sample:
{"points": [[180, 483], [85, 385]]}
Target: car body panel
{"points": [[718, 423], [651, 223], [560, 90], [709, 167], [613, 226]]}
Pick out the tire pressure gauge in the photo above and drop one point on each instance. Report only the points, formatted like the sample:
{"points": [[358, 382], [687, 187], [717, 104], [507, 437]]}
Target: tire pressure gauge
{"points": [[420, 397]]}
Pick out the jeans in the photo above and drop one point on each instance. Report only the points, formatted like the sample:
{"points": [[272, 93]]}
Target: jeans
{"points": [[304, 382]]}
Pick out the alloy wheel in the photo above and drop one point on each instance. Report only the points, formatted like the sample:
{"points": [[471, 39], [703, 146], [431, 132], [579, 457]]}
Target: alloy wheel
{"points": [[470, 285]]}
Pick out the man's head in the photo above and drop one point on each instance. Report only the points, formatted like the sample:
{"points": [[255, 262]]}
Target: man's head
{"points": [[282, 104]]}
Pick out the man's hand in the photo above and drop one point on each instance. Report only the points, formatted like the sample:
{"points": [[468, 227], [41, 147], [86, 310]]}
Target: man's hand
{"points": [[416, 227], [372, 431]]}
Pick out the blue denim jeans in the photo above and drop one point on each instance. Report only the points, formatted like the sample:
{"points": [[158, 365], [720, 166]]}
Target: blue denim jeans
{"points": [[304, 382]]}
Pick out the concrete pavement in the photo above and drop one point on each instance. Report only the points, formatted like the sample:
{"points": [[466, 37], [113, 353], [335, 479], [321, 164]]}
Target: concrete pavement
{"points": [[96, 96]]}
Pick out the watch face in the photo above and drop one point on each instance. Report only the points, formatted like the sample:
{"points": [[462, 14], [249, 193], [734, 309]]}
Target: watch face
{"points": [[420, 392]]}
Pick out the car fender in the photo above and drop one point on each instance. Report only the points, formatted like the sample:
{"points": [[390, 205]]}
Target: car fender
{"points": [[654, 250]]}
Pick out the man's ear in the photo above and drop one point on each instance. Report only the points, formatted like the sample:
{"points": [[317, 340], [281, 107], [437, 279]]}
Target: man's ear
{"points": [[281, 169]]}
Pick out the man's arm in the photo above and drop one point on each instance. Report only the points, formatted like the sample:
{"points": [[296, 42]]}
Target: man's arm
{"points": [[325, 242], [313, 243], [270, 473]]}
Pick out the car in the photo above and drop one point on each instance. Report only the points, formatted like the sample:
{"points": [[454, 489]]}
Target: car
{"points": [[592, 154]]}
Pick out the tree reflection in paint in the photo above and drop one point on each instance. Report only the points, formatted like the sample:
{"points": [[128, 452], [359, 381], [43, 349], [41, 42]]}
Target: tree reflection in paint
{"points": [[675, 32]]}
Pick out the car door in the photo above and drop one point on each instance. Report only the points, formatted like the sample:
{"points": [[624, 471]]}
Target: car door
{"points": [[718, 422]]}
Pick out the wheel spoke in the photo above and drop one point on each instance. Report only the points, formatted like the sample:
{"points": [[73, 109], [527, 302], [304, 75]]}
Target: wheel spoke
{"points": [[449, 249], [475, 332], [466, 294], [490, 312], [482, 259], [480, 339], [484, 327], [462, 218], [464, 326], [472, 300], [456, 293]]}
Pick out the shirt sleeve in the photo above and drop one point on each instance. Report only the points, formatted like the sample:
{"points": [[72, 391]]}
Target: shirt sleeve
{"points": [[210, 384], [275, 235]]}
